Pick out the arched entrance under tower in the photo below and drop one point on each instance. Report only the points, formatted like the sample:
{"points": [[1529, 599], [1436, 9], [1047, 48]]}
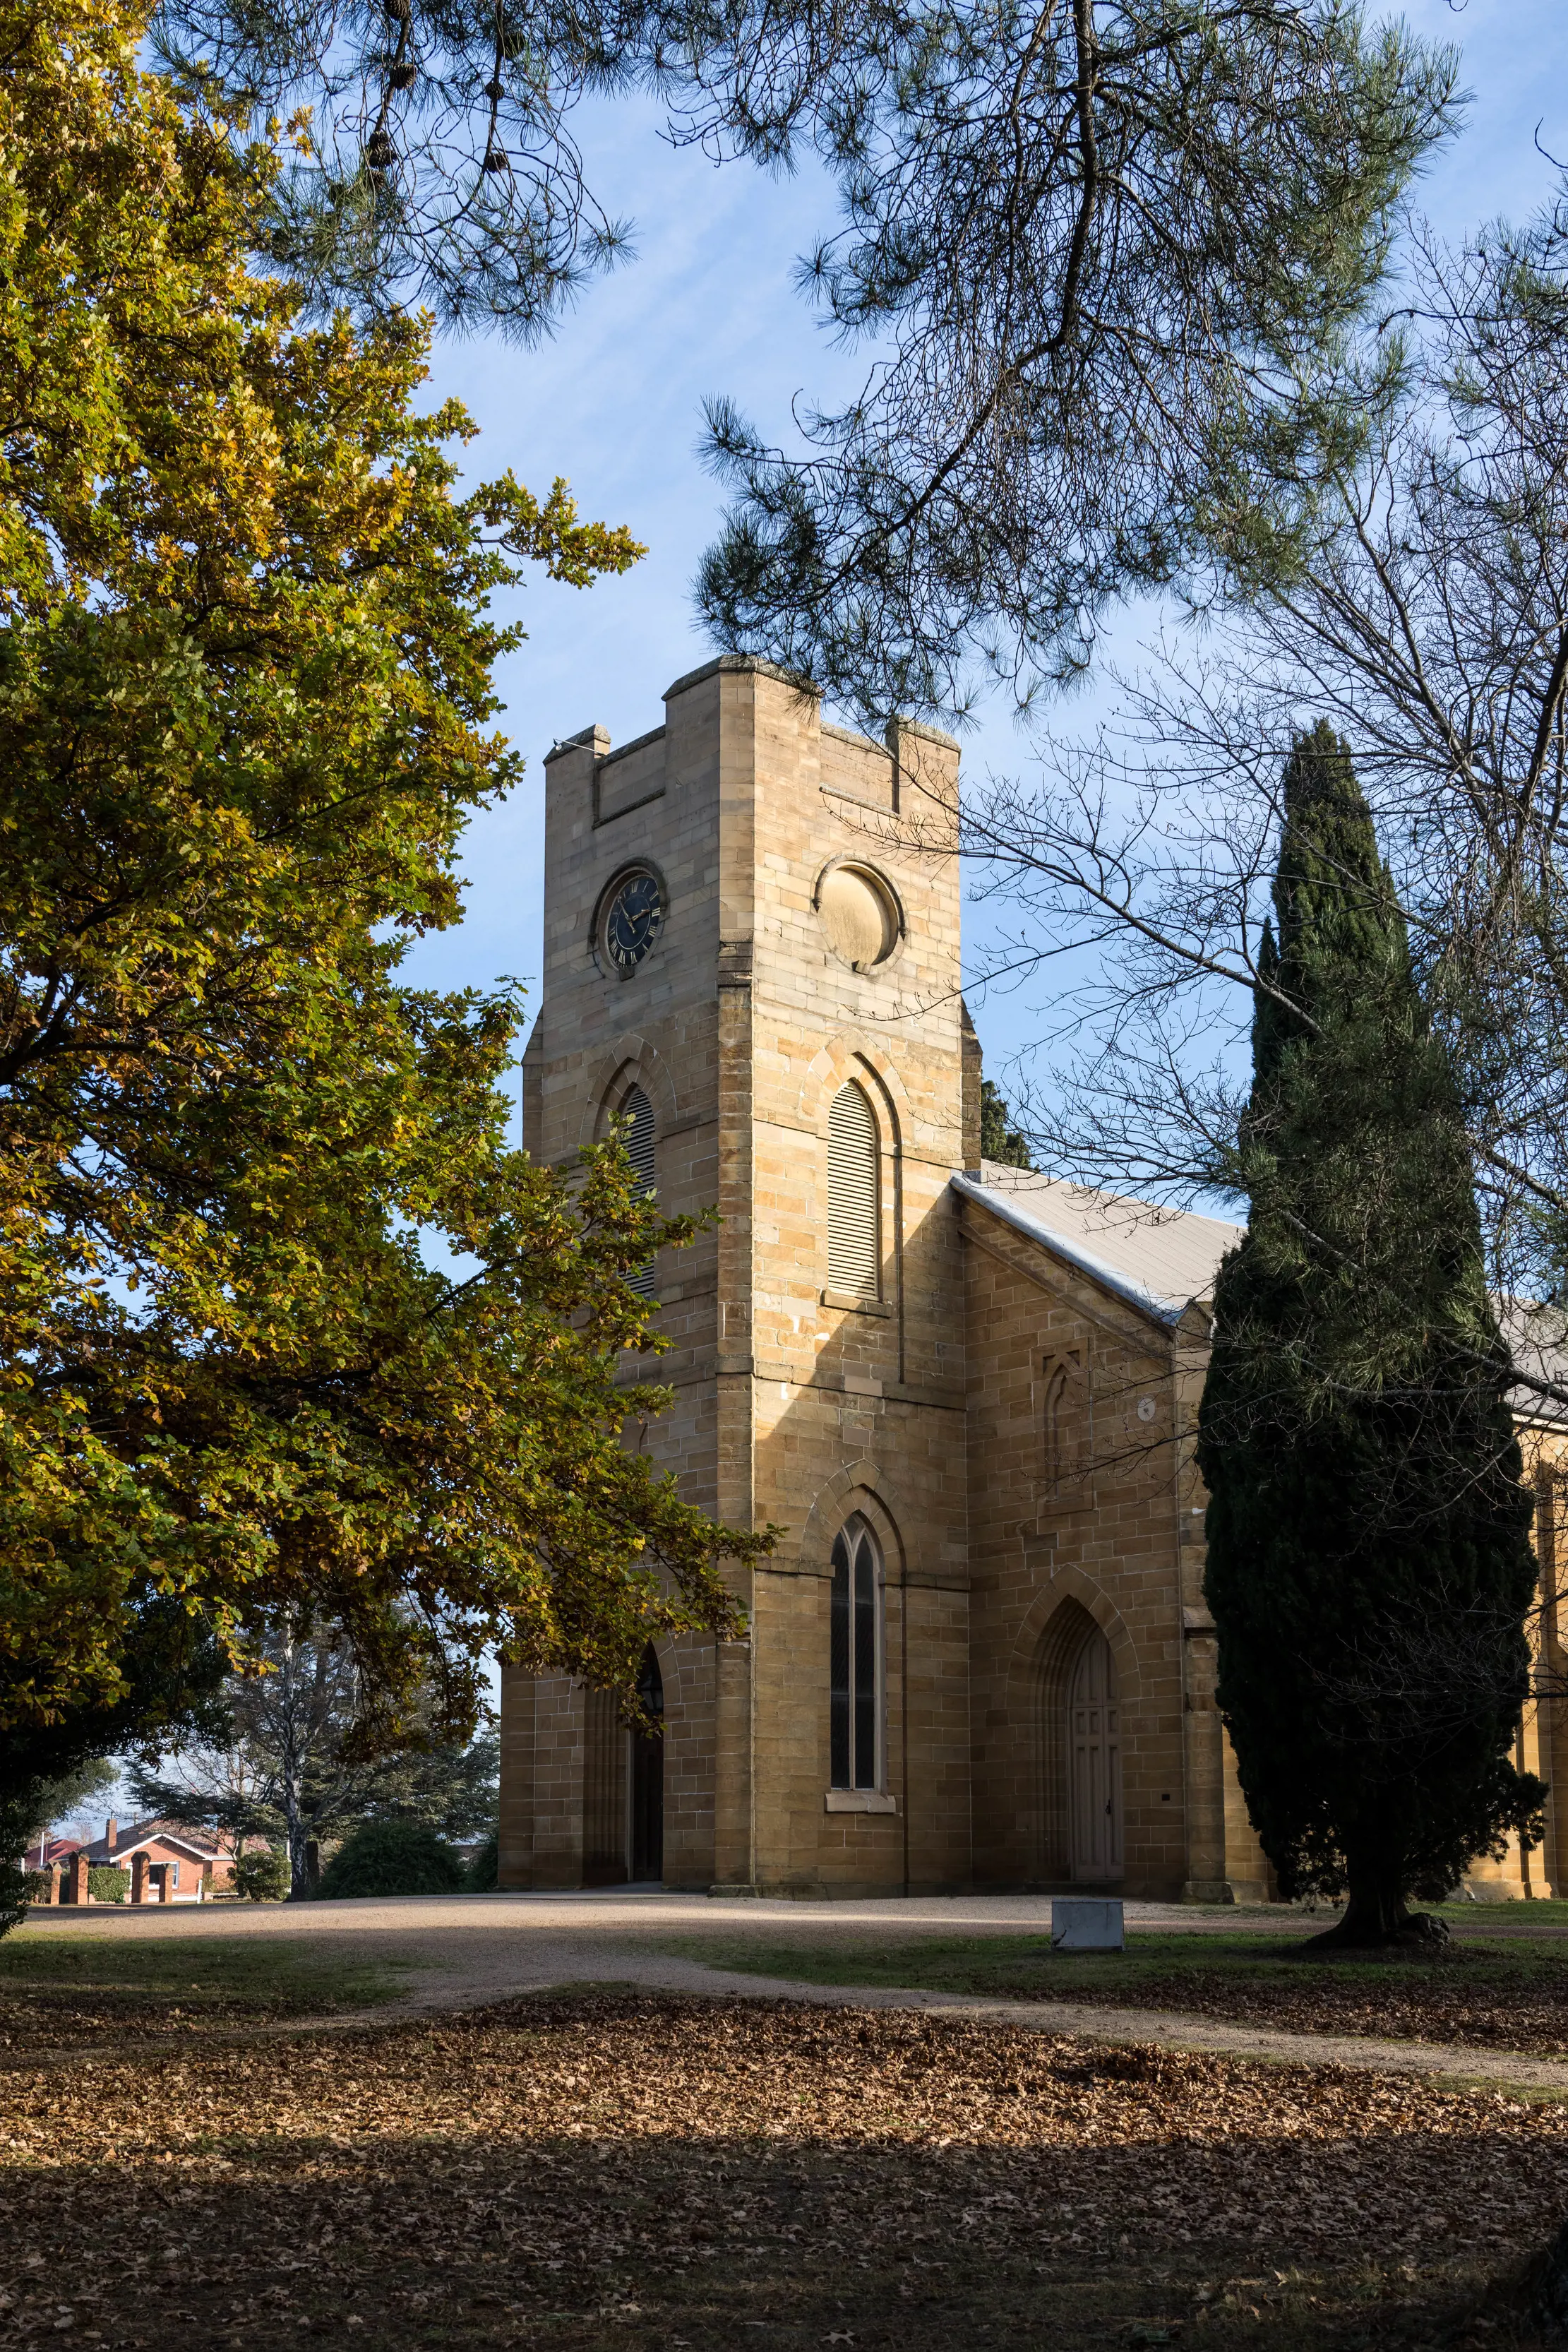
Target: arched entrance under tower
{"points": [[645, 1842]]}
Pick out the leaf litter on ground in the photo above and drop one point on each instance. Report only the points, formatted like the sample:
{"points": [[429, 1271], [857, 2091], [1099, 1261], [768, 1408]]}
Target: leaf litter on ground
{"points": [[1498, 1996], [634, 2169]]}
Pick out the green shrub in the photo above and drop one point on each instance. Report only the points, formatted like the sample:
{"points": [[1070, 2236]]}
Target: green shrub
{"points": [[485, 1868], [106, 1883], [392, 1858], [263, 1876]]}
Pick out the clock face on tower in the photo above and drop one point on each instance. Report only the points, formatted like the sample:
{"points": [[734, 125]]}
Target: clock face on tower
{"points": [[634, 920]]}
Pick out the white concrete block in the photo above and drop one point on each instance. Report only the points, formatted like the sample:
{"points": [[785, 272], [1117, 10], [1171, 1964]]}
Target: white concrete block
{"points": [[1081, 1923]]}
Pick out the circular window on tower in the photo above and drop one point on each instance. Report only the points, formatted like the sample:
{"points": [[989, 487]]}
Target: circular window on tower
{"points": [[860, 914], [632, 917]]}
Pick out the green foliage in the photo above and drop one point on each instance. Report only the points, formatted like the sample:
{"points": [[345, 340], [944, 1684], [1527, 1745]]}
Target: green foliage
{"points": [[289, 1765], [999, 1139], [32, 1800], [451, 1788], [1369, 1567], [169, 1667], [392, 1858], [1155, 124], [18, 1888], [483, 1876], [108, 1884], [55, 1798], [244, 700], [261, 1875], [1115, 255], [288, 1760]]}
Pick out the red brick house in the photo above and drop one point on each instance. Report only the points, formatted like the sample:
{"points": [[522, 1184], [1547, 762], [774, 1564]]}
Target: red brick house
{"points": [[168, 1863], [48, 1850]]}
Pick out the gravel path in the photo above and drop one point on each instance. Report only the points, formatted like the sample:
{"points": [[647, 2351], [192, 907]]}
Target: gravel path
{"points": [[469, 1952]]}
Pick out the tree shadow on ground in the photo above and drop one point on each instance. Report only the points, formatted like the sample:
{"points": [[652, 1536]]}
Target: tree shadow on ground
{"points": [[622, 2172]]}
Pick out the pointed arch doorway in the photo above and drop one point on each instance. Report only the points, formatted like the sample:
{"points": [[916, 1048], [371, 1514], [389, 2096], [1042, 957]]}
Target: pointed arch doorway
{"points": [[645, 1842], [1094, 1763]]}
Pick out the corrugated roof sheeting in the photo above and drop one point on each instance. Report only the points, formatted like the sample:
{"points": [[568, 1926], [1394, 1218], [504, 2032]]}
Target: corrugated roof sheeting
{"points": [[1161, 1260], [1165, 1260]]}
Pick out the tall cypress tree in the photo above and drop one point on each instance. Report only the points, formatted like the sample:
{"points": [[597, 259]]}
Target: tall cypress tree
{"points": [[1369, 1561]]}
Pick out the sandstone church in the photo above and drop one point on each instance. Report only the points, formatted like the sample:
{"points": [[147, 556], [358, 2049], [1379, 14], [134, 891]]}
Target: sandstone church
{"points": [[981, 1657]]}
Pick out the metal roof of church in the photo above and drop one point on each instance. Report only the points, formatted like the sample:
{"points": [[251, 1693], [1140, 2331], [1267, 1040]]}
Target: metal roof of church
{"points": [[1163, 1260], [1160, 1260], [1534, 1334]]}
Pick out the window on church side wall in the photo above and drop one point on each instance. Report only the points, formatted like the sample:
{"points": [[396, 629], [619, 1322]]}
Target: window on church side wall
{"points": [[855, 1662], [1063, 1404], [636, 1119], [855, 1256]]}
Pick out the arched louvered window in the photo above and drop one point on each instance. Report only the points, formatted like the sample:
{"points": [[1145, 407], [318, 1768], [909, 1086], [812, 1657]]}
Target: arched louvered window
{"points": [[637, 1116], [855, 1679], [854, 1258]]}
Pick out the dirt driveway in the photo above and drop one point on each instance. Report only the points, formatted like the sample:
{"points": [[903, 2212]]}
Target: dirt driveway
{"points": [[470, 1951]]}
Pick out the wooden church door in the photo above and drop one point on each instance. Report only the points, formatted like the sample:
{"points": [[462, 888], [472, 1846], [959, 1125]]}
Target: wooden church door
{"points": [[647, 1858], [1096, 1763]]}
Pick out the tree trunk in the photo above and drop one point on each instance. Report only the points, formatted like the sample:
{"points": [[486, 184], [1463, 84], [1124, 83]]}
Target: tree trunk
{"points": [[291, 1774], [295, 1830], [1376, 1914]]}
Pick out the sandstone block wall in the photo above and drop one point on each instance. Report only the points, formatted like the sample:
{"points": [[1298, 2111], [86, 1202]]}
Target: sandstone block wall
{"points": [[856, 1408], [791, 1408], [1083, 1516], [656, 802]]}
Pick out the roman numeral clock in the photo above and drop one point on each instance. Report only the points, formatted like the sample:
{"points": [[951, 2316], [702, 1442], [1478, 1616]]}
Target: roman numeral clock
{"points": [[634, 919]]}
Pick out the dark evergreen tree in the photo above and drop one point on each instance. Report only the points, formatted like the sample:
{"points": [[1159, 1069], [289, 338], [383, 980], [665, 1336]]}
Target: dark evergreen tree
{"points": [[999, 1139], [394, 1857], [1369, 1561]]}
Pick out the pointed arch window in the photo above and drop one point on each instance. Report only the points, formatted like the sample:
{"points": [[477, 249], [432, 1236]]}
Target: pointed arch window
{"points": [[855, 1661], [854, 1252], [636, 1117]]}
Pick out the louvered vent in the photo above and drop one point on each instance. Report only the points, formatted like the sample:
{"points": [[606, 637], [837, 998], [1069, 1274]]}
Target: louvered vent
{"points": [[637, 1136], [853, 1258]]}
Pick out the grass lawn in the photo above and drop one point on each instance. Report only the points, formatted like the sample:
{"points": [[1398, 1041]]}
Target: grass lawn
{"points": [[1501, 1994], [1541, 1912], [660, 2175], [58, 1990]]}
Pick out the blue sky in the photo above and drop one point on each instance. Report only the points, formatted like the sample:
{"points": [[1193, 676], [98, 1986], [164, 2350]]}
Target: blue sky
{"points": [[708, 305]]}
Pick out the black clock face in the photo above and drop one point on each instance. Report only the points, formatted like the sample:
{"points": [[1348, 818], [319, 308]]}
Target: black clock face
{"points": [[635, 918]]}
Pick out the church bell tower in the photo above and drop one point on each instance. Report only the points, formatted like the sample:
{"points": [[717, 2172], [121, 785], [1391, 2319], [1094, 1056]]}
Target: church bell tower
{"points": [[752, 957]]}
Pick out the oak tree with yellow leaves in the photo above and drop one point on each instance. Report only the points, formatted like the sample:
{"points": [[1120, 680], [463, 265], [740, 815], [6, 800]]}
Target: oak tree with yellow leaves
{"points": [[285, 1331]]}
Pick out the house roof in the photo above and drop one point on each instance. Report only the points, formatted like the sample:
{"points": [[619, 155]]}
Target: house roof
{"points": [[1159, 1260], [137, 1834]]}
